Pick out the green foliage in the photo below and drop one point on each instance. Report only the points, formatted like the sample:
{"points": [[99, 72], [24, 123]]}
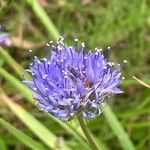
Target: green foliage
{"points": [[123, 25], [28, 141]]}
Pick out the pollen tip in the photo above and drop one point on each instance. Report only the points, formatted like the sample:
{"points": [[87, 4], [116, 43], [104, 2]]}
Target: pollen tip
{"points": [[76, 40], [125, 61], [47, 44], [83, 44]]}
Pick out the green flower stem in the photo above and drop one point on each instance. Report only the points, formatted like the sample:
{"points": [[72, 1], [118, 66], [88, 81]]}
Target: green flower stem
{"points": [[87, 132]]}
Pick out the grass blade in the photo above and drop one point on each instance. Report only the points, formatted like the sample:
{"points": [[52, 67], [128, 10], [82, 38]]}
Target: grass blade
{"points": [[18, 69], [2, 144], [144, 103], [141, 82], [25, 139], [41, 14], [17, 84], [118, 129], [33, 124]]}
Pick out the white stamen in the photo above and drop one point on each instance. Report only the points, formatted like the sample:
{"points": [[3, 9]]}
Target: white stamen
{"points": [[39, 62], [32, 73], [34, 89], [65, 76], [83, 44], [104, 67], [61, 38], [30, 50], [108, 47], [46, 89], [99, 50], [112, 63], [76, 40], [44, 59], [125, 61], [123, 78], [51, 42], [47, 44], [65, 72], [44, 77], [96, 53]]}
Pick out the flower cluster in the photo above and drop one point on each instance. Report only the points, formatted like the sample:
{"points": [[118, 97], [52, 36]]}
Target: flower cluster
{"points": [[71, 82], [4, 40]]}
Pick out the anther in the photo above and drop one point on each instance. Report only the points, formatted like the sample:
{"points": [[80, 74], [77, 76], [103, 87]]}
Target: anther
{"points": [[125, 61], [61, 38], [83, 44], [104, 67], [112, 63], [99, 50], [44, 76], [46, 89], [76, 40], [65, 76], [96, 53], [47, 44], [34, 89]]}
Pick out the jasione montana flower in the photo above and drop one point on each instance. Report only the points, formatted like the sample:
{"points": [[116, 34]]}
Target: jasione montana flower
{"points": [[4, 40], [69, 81]]}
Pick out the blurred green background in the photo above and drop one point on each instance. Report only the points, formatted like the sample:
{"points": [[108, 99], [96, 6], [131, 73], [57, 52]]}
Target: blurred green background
{"points": [[123, 25]]}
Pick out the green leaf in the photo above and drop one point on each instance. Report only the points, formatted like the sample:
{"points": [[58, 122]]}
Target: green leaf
{"points": [[22, 88], [18, 69], [41, 14], [2, 144], [118, 130], [25, 139]]}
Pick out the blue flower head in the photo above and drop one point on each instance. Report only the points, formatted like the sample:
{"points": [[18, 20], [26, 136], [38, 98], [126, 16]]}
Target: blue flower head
{"points": [[70, 81], [4, 40]]}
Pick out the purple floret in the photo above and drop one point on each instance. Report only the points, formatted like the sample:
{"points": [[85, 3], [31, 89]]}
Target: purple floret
{"points": [[70, 81], [4, 40]]}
